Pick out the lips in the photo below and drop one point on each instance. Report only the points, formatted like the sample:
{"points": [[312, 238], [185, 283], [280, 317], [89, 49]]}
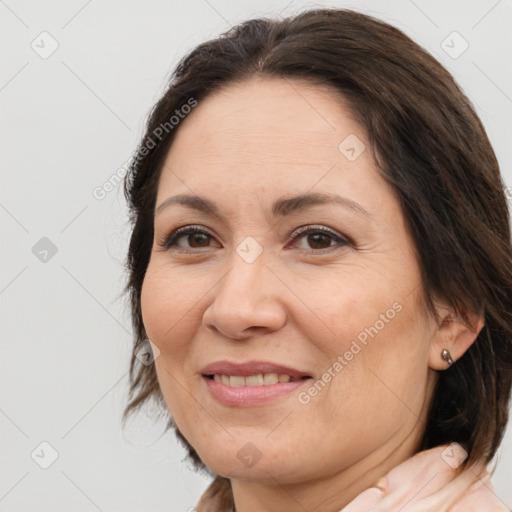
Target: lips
{"points": [[251, 384]]}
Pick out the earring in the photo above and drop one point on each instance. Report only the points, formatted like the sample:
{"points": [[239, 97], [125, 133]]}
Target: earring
{"points": [[445, 354]]}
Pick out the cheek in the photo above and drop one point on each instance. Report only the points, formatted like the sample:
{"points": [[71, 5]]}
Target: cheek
{"points": [[353, 309], [168, 308], [170, 312], [374, 342]]}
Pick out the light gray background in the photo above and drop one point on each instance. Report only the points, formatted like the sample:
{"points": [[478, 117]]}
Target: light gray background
{"points": [[68, 122]]}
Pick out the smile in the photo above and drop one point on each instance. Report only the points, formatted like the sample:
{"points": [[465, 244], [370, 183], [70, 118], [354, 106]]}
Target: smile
{"points": [[261, 379]]}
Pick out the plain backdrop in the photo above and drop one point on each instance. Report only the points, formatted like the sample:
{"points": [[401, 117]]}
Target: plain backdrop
{"points": [[77, 80]]}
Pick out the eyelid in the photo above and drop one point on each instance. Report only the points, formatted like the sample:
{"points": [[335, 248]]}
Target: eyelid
{"points": [[318, 227]]}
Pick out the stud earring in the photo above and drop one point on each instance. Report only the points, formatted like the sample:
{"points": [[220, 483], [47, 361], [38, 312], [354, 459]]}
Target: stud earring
{"points": [[445, 354]]}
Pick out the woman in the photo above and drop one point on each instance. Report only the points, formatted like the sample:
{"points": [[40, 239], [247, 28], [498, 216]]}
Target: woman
{"points": [[321, 258]]}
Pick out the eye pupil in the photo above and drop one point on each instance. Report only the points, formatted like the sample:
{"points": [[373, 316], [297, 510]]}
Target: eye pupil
{"points": [[317, 238], [195, 236]]}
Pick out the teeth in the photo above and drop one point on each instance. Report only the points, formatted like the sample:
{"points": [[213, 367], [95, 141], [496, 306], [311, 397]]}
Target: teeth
{"points": [[261, 379], [236, 381], [254, 380], [270, 378]]}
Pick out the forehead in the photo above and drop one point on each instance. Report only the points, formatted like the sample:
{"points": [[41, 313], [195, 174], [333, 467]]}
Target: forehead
{"points": [[264, 134]]}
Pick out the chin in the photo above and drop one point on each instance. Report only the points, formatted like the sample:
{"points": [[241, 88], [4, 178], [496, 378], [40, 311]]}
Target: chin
{"points": [[257, 461]]}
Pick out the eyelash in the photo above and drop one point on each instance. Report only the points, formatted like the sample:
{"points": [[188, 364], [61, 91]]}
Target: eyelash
{"points": [[168, 242]]}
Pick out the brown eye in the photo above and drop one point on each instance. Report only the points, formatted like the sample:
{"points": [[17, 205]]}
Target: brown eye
{"points": [[319, 239], [195, 236]]}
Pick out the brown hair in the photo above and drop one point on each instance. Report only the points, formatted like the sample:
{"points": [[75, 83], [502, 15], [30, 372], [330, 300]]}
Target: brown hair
{"points": [[429, 145]]}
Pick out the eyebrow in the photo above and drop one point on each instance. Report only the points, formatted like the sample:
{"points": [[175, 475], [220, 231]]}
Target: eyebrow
{"points": [[281, 207]]}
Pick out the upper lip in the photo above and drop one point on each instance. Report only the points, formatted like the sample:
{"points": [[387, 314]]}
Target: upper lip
{"points": [[251, 368]]}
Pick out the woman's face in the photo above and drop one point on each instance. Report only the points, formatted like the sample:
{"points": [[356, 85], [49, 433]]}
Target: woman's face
{"points": [[337, 307]]}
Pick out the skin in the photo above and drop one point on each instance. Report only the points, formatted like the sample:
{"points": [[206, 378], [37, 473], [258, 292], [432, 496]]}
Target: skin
{"points": [[243, 147]]}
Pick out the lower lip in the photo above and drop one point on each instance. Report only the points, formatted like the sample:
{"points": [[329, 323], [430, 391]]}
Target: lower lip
{"points": [[250, 395]]}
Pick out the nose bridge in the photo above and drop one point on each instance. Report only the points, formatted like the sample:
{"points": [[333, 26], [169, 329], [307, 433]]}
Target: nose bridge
{"points": [[245, 297], [248, 277]]}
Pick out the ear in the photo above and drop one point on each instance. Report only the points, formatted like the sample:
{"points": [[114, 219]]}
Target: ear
{"points": [[454, 335]]}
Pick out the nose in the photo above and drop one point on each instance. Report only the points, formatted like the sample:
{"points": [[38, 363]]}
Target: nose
{"points": [[246, 301]]}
